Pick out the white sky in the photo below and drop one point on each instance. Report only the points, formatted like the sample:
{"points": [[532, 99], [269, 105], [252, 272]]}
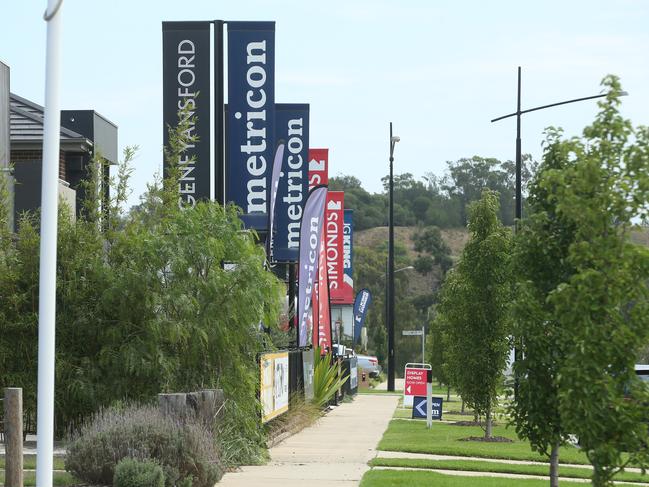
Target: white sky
{"points": [[439, 70]]}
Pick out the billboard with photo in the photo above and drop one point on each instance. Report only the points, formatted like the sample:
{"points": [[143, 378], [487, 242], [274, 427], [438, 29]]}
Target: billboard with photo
{"points": [[273, 387]]}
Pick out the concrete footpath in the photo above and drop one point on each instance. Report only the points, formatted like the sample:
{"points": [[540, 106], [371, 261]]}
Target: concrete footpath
{"points": [[333, 452]]}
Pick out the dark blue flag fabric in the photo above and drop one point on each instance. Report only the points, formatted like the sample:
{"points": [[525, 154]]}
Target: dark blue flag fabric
{"points": [[310, 234], [362, 302]]}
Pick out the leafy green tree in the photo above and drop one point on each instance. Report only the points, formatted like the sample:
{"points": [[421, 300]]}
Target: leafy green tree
{"points": [[603, 305], [429, 241], [473, 310], [540, 264]]}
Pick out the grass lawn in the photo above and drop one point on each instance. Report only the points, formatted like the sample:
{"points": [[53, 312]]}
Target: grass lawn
{"points": [[402, 478], [443, 439], [61, 479], [486, 466], [29, 462]]}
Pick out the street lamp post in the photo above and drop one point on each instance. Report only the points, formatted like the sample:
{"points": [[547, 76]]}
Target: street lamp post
{"points": [[519, 157], [393, 140]]}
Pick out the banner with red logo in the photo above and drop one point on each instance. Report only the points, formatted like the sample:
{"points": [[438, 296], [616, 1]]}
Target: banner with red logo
{"points": [[333, 234], [323, 332], [318, 167]]}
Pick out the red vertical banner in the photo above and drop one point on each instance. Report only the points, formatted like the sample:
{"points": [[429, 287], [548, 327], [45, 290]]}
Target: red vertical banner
{"points": [[324, 313], [318, 167], [333, 234], [319, 174]]}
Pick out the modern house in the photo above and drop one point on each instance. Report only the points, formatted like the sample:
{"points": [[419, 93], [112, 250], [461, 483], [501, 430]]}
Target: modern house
{"points": [[84, 134]]}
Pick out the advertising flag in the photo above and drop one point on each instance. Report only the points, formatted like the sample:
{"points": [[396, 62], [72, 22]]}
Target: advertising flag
{"points": [[318, 167], [310, 235], [362, 302], [274, 183], [322, 331], [334, 217], [347, 292], [250, 118], [291, 125], [186, 58]]}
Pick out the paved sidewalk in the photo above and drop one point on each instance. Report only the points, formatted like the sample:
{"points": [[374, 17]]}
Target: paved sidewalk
{"points": [[333, 452]]}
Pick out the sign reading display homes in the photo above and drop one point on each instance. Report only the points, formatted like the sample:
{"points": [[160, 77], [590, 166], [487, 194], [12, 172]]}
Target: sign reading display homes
{"points": [[250, 118], [273, 389], [186, 57], [292, 126]]}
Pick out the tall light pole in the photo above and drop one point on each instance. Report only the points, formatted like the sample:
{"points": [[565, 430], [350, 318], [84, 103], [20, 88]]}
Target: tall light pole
{"points": [[393, 140], [519, 157]]}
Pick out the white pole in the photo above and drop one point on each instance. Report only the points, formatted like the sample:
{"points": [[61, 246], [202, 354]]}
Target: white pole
{"points": [[47, 276], [423, 345]]}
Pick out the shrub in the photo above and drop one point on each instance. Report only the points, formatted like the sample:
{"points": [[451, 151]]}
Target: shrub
{"points": [[327, 378], [185, 449], [135, 473]]}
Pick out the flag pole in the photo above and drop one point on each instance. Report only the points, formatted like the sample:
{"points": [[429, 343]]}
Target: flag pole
{"points": [[47, 273]]}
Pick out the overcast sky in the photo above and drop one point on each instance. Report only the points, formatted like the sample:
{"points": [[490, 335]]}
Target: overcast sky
{"points": [[439, 70]]}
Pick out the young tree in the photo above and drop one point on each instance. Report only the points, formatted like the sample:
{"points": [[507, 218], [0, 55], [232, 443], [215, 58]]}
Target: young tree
{"points": [[474, 309], [603, 306], [539, 266]]}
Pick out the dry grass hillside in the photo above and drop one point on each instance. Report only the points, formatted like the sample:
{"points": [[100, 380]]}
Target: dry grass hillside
{"points": [[455, 238]]}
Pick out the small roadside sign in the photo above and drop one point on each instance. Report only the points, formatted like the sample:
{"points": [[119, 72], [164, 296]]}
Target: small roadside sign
{"points": [[419, 407], [412, 332], [414, 383]]}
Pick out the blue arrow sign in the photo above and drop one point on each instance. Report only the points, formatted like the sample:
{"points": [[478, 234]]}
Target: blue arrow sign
{"points": [[419, 407]]}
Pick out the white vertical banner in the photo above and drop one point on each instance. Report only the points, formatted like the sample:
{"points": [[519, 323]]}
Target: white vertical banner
{"points": [[47, 272]]}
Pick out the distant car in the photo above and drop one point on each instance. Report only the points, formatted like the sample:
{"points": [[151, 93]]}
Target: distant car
{"points": [[370, 364]]}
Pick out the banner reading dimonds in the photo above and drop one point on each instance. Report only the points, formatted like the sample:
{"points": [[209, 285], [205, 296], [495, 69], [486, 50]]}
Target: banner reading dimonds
{"points": [[318, 167], [347, 293], [292, 126], [250, 118], [334, 244], [310, 234], [186, 86], [322, 331]]}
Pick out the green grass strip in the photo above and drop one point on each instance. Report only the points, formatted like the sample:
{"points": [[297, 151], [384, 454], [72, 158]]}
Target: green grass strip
{"points": [[486, 466], [403, 478], [29, 462], [444, 439], [60, 479]]}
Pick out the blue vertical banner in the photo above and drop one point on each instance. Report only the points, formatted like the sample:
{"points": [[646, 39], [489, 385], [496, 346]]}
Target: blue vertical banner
{"points": [[347, 292], [292, 126], [186, 58], [361, 303], [250, 119]]}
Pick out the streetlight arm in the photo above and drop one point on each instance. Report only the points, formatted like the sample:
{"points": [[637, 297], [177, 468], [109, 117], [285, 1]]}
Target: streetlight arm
{"points": [[622, 93]]}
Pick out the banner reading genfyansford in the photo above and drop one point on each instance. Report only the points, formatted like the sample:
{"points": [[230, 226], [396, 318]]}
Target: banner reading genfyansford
{"points": [[292, 126], [186, 57], [310, 234], [250, 118]]}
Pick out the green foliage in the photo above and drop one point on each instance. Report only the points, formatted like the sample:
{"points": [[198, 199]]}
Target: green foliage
{"points": [[433, 200], [595, 187], [184, 449], [429, 242], [135, 473], [327, 377], [143, 306], [473, 311]]}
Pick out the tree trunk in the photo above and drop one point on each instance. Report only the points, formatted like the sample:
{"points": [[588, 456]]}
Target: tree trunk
{"points": [[448, 393], [554, 465], [476, 418], [462, 411], [487, 433]]}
